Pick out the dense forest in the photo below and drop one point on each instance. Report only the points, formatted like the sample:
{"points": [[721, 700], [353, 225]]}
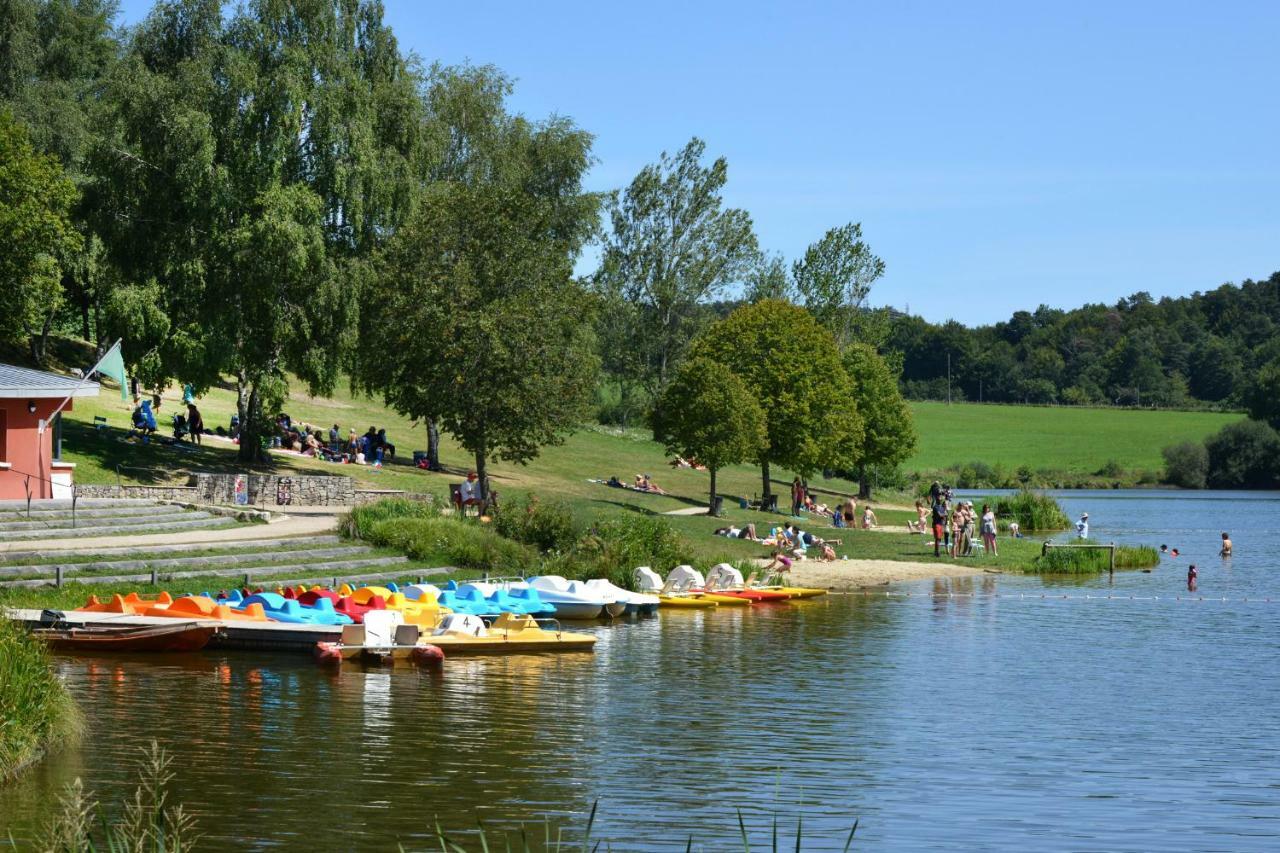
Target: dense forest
{"points": [[1173, 352]]}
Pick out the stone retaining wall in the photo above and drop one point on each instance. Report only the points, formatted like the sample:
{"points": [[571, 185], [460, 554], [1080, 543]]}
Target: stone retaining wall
{"points": [[271, 490], [151, 493]]}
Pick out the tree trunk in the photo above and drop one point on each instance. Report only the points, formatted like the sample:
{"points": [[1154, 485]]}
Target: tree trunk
{"points": [[85, 331], [480, 475], [433, 445], [97, 321], [764, 474], [249, 407], [864, 483], [711, 509]]}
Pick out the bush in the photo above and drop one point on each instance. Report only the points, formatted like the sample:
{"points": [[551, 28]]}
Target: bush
{"points": [[547, 526], [614, 548], [362, 519], [1032, 510], [35, 711], [1112, 469], [454, 542], [1186, 465], [1244, 455]]}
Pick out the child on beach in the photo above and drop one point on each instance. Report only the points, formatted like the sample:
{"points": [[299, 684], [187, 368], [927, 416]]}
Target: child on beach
{"points": [[989, 530], [781, 562]]}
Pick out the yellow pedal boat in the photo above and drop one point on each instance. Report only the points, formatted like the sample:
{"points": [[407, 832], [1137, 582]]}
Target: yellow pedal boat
{"points": [[457, 634], [685, 600]]}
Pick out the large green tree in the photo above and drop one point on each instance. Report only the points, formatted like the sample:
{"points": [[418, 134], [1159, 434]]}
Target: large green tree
{"points": [[889, 434], [475, 318], [293, 126], [790, 363], [672, 245], [36, 232], [709, 414], [835, 276], [1262, 393]]}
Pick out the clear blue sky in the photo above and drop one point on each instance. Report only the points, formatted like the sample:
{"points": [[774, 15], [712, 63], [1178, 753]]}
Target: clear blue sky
{"points": [[998, 155]]}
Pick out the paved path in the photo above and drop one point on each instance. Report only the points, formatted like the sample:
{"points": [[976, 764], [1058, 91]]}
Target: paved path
{"points": [[294, 525]]}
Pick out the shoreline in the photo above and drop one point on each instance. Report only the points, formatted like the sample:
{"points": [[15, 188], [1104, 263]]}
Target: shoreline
{"points": [[845, 575]]}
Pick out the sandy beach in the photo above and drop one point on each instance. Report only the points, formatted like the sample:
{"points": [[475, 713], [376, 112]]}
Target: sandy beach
{"points": [[857, 574]]}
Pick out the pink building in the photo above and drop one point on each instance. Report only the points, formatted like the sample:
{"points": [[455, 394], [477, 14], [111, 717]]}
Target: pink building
{"points": [[28, 398]]}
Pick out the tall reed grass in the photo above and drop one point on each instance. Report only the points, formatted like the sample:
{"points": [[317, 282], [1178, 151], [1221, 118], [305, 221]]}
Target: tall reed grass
{"points": [[36, 713], [1034, 511], [147, 822], [1081, 561]]}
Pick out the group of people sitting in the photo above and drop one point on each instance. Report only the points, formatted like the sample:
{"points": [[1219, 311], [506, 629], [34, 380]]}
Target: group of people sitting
{"points": [[371, 448], [145, 419], [843, 515]]}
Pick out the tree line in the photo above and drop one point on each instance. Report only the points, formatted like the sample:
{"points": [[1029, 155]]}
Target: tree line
{"points": [[277, 192], [1198, 350]]}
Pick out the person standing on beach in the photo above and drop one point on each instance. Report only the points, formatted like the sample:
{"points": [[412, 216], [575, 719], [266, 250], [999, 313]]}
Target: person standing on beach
{"points": [[989, 530], [797, 496], [939, 525]]}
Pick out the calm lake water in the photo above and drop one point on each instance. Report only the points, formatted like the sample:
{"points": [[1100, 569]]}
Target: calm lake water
{"points": [[962, 717]]}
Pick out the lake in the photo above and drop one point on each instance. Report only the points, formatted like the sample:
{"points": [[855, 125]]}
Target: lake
{"points": [[971, 714]]}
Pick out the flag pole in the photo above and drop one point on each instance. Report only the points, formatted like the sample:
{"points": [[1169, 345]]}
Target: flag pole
{"points": [[44, 423]]}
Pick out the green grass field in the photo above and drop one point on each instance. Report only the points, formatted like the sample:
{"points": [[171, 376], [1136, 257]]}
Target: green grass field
{"points": [[1063, 438]]}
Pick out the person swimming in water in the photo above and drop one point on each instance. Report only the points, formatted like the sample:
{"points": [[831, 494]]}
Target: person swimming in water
{"points": [[1192, 576], [1226, 545], [1164, 549]]}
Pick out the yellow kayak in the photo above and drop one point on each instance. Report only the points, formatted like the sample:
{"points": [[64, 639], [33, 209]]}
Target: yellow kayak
{"points": [[679, 600]]}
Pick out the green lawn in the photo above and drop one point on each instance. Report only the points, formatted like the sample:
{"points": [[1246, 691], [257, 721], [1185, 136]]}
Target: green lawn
{"points": [[1065, 439]]}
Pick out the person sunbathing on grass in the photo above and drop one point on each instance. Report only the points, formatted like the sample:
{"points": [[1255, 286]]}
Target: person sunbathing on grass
{"points": [[645, 484]]}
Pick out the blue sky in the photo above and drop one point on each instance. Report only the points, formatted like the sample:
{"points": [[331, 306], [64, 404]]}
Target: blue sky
{"points": [[998, 155]]}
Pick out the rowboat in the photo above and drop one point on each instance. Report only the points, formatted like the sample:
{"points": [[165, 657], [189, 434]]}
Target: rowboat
{"points": [[129, 638]]}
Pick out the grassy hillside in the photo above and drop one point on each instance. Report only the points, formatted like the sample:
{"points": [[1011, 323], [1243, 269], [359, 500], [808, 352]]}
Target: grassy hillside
{"points": [[1065, 439]]}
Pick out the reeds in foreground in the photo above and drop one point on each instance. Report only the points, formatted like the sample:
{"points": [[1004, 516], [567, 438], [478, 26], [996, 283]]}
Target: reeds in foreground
{"points": [[36, 712]]}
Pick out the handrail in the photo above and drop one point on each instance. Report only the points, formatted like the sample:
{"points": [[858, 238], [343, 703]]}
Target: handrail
{"points": [[26, 485]]}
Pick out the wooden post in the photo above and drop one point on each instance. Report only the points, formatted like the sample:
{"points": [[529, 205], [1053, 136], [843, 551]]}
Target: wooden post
{"points": [[154, 577], [1112, 549], [57, 576], [1044, 549]]}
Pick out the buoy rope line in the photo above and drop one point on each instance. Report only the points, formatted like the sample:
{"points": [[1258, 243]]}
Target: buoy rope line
{"points": [[1045, 596]]}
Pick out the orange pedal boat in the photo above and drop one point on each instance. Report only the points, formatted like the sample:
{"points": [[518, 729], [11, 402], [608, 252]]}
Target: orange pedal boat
{"points": [[131, 604], [199, 607]]}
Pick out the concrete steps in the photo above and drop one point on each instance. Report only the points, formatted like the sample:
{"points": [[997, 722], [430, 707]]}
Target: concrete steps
{"points": [[7, 516], [205, 522], [250, 558], [159, 515], [149, 550], [338, 568]]}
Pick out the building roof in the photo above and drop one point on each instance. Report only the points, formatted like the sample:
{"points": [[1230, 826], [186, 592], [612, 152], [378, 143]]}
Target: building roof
{"points": [[26, 383]]}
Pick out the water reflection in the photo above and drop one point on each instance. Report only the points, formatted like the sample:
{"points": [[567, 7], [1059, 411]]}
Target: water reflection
{"points": [[962, 717]]}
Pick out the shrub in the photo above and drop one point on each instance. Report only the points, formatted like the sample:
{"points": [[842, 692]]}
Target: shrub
{"points": [[614, 548], [35, 711], [1112, 469], [362, 519], [454, 542], [1244, 455], [1032, 510], [546, 525], [1186, 464]]}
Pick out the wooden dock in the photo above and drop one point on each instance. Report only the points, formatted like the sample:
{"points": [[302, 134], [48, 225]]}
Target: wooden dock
{"points": [[235, 634]]}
